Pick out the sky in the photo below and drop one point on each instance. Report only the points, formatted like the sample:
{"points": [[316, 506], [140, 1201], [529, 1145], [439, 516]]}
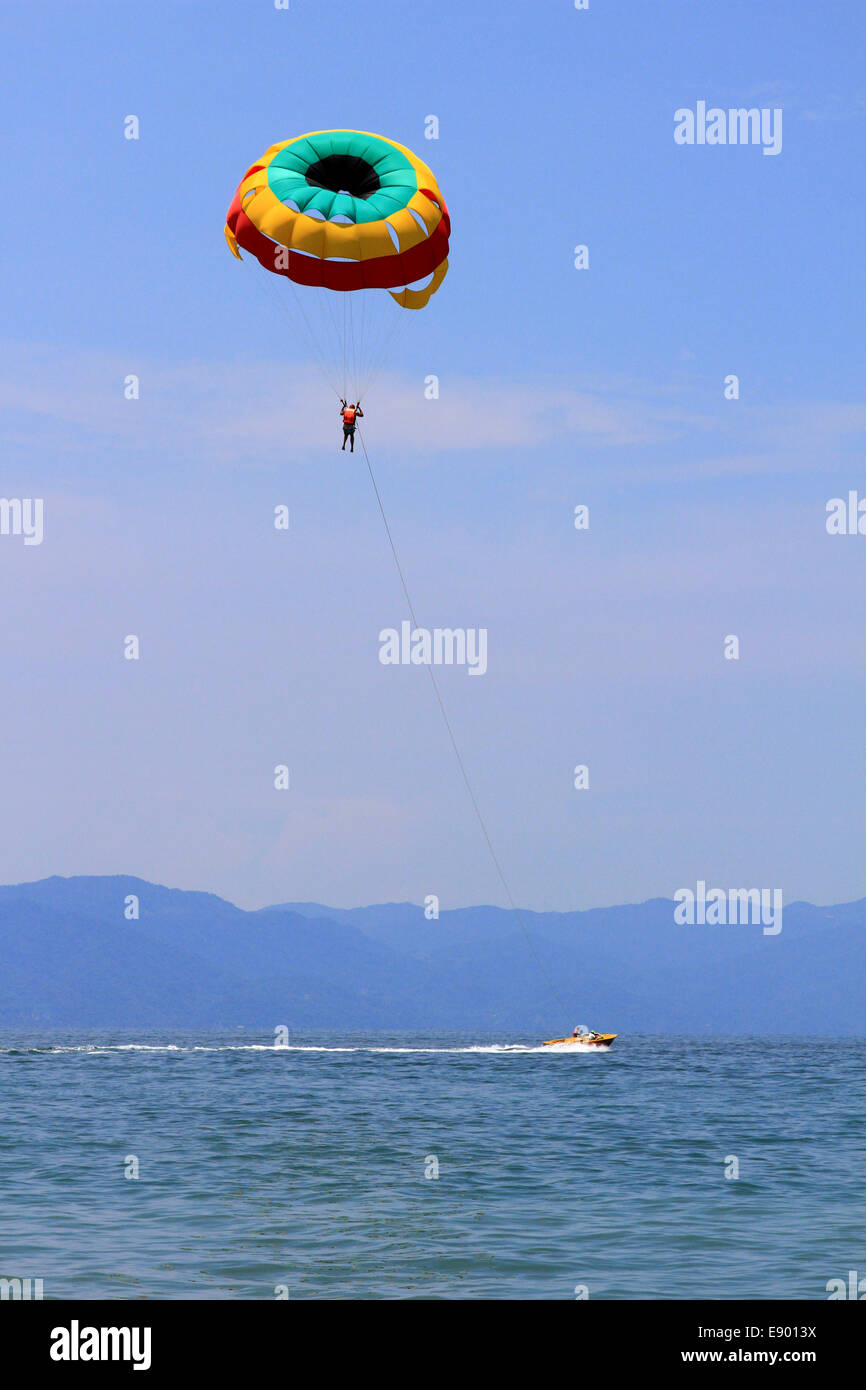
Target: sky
{"points": [[558, 387]]}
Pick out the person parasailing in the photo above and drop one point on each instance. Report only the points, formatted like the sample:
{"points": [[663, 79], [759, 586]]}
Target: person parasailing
{"points": [[350, 415]]}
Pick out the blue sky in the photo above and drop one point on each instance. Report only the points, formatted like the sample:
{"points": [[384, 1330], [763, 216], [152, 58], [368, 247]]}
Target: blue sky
{"points": [[558, 387]]}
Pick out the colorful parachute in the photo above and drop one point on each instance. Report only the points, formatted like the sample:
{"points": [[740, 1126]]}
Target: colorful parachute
{"points": [[344, 210]]}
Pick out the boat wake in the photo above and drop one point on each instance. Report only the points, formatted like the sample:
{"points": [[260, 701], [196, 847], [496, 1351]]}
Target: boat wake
{"points": [[493, 1049]]}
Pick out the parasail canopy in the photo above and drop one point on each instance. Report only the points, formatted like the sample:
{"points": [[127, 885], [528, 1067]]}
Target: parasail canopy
{"points": [[344, 210]]}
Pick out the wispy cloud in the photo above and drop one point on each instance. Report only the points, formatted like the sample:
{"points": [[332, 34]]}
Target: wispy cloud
{"points": [[227, 415], [837, 106], [77, 399]]}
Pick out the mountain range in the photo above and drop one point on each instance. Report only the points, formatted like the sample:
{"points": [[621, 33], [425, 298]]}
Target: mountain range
{"points": [[72, 956]]}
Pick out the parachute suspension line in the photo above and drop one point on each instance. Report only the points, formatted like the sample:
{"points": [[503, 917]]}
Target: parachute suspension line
{"points": [[332, 316], [361, 332], [348, 339], [385, 329], [342, 344], [348, 367], [352, 349], [362, 335], [343, 356], [321, 358], [460, 763], [360, 329], [386, 342], [318, 352]]}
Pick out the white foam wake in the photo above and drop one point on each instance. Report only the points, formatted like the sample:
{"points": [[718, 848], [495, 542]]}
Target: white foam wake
{"points": [[103, 1049]]}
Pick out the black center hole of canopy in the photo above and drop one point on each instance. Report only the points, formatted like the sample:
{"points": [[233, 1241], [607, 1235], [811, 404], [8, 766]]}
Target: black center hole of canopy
{"points": [[344, 173]]}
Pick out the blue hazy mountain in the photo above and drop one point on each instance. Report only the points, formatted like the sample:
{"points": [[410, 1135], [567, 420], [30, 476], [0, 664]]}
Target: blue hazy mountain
{"points": [[70, 958]]}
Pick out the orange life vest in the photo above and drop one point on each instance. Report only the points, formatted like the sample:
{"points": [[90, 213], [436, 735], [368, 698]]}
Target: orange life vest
{"points": [[348, 416]]}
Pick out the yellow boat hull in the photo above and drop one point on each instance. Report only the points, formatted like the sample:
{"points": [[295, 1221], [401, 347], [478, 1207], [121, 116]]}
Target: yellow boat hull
{"points": [[598, 1040]]}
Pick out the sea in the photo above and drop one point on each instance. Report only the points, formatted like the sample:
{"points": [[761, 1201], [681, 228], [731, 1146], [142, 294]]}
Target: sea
{"points": [[409, 1166]]}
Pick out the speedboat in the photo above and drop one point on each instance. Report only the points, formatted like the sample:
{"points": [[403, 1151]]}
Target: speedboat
{"points": [[583, 1040]]}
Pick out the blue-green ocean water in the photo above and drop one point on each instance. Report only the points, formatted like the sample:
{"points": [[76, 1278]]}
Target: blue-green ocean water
{"points": [[304, 1167]]}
